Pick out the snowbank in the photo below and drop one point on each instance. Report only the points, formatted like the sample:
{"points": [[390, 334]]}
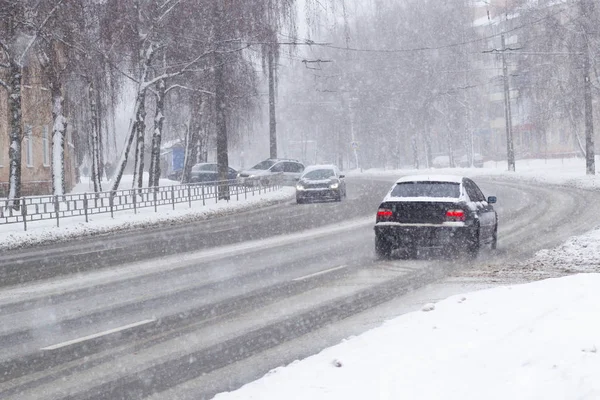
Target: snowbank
{"points": [[534, 341], [13, 236], [567, 172]]}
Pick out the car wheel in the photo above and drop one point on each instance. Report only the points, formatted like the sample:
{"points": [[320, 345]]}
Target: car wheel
{"points": [[473, 244], [494, 244], [299, 200], [383, 248]]}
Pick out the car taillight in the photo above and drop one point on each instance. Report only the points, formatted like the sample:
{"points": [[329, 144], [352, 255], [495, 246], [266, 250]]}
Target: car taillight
{"points": [[384, 214], [455, 215]]}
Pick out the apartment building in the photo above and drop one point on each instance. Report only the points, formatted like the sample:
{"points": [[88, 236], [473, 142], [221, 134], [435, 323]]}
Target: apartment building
{"points": [[36, 144]]}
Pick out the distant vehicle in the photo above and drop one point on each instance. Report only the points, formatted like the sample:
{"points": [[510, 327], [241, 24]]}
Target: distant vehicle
{"points": [[477, 161], [449, 213], [264, 172], [175, 175], [441, 162], [208, 172], [321, 182]]}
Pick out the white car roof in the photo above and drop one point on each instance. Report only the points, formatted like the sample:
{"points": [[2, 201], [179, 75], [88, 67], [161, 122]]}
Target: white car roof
{"points": [[431, 178]]}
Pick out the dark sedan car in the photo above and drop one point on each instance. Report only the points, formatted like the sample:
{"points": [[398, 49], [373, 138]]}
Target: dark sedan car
{"points": [[321, 182], [445, 212], [208, 172]]}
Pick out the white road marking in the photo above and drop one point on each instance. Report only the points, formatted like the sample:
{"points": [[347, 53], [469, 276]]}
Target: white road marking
{"points": [[319, 273], [97, 335]]}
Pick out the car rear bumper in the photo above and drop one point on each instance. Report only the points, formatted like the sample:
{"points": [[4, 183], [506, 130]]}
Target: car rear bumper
{"points": [[425, 235]]}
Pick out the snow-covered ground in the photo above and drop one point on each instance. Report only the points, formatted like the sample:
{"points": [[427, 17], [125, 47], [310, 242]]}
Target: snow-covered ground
{"points": [[13, 236], [86, 185], [568, 171], [538, 340]]}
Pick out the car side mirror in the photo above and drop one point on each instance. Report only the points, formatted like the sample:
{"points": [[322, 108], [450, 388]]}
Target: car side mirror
{"points": [[297, 179], [342, 176], [492, 199]]}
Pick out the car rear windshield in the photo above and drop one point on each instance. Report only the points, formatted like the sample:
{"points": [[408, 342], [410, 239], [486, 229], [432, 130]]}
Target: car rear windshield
{"points": [[319, 174], [204, 167], [426, 189], [264, 164]]}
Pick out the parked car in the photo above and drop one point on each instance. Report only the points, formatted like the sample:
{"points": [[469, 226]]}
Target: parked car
{"points": [[321, 182], [445, 212], [175, 175], [208, 172], [477, 161], [441, 162], [264, 172]]}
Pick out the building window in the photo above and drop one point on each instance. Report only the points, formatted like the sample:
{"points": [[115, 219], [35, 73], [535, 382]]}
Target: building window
{"points": [[46, 146], [28, 144]]}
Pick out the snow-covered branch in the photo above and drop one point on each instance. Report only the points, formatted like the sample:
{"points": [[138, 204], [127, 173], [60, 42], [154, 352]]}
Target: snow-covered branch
{"points": [[39, 29], [186, 68], [4, 84], [178, 73], [171, 7], [189, 88]]}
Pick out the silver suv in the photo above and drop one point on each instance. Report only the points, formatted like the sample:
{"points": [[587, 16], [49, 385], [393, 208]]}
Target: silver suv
{"points": [[265, 172]]}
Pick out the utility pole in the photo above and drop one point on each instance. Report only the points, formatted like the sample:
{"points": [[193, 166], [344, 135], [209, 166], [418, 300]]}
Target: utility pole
{"points": [[272, 116], [353, 142], [510, 150], [468, 129], [590, 163]]}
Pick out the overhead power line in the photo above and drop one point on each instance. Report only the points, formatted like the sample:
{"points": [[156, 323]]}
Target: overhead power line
{"points": [[446, 46]]}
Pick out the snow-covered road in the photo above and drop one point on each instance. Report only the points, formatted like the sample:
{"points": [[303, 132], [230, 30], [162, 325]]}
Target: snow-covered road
{"points": [[189, 326]]}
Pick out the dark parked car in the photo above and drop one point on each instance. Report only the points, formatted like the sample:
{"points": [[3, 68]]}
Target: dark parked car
{"points": [[208, 172], [175, 175], [321, 182], [445, 212]]}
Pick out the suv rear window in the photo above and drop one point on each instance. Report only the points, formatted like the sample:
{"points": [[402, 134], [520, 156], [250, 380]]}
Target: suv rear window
{"points": [[264, 164], [426, 189]]}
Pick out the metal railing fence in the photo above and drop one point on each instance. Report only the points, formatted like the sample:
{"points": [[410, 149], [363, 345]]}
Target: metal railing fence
{"points": [[50, 207]]}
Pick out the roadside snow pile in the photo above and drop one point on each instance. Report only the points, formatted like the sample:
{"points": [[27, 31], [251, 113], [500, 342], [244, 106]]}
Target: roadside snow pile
{"points": [[12, 236], [535, 341], [578, 254], [567, 172]]}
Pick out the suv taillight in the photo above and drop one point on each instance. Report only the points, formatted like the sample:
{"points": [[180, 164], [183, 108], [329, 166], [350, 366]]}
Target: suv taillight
{"points": [[383, 214], [455, 215]]}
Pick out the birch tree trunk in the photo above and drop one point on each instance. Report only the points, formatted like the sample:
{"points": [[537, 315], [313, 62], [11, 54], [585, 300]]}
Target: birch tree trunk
{"points": [[16, 135], [139, 113], [140, 122], [95, 150], [159, 117], [100, 117], [59, 129], [219, 20], [193, 138]]}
